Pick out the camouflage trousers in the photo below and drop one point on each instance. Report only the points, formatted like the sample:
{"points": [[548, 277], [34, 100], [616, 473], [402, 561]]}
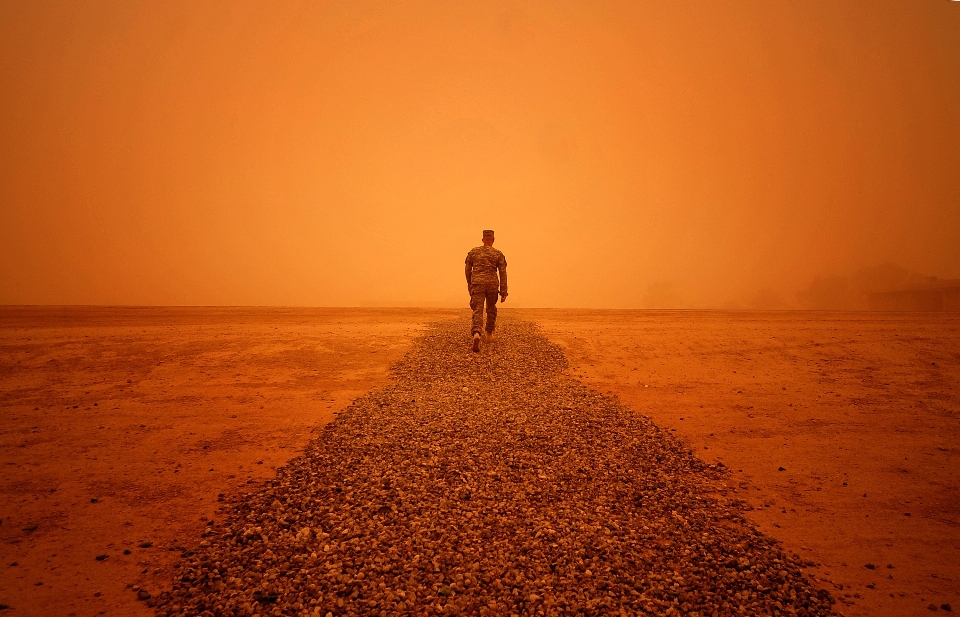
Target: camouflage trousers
{"points": [[478, 295]]}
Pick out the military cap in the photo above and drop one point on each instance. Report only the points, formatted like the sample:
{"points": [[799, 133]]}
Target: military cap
{"points": [[487, 233]]}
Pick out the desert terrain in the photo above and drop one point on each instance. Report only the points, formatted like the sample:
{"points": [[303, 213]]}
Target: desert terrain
{"points": [[122, 428], [840, 429]]}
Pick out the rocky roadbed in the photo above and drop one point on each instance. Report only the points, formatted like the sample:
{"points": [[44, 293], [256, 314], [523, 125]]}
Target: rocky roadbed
{"points": [[489, 484]]}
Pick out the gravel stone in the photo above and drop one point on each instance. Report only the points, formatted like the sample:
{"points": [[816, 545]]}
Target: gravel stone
{"points": [[489, 484]]}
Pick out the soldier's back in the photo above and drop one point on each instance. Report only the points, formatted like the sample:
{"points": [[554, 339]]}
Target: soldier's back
{"points": [[485, 260]]}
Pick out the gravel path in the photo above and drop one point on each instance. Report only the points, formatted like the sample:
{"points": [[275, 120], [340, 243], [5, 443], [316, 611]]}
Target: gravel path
{"points": [[489, 484]]}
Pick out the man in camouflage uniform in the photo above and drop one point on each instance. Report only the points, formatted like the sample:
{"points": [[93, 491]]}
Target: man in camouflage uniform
{"points": [[482, 265]]}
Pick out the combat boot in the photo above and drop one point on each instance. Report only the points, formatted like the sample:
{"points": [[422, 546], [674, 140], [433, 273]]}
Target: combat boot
{"points": [[476, 341], [489, 337]]}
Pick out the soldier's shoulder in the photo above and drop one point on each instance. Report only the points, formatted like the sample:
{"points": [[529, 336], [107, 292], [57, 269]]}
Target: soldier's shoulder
{"points": [[488, 252]]}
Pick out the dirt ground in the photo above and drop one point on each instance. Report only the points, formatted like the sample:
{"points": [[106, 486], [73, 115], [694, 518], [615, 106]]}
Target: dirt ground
{"points": [[839, 429], [120, 427]]}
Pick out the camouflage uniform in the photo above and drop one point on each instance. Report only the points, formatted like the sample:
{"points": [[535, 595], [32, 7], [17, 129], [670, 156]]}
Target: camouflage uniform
{"points": [[482, 265]]}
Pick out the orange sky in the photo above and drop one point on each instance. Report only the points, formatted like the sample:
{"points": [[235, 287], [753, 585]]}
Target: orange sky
{"points": [[348, 153]]}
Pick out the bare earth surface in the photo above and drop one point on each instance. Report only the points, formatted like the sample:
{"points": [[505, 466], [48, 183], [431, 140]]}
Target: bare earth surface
{"points": [[489, 484], [133, 408], [861, 410], [121, 427]]}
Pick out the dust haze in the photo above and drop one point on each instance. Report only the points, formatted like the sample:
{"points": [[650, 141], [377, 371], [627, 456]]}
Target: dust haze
{"points": [[757, 155]]}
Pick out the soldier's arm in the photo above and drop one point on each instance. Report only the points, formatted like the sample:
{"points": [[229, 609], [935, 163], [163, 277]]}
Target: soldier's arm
{"points": [[502, 268], [468, 269]]}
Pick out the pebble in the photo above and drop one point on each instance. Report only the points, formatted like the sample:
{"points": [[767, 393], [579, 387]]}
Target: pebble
{"points": [[489, 484]]}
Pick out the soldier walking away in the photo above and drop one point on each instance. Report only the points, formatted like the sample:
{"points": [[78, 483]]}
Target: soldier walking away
{"points": [[482, 265]]}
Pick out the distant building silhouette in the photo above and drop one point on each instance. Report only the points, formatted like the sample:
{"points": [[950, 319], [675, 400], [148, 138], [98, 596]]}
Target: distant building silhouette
{"points": [[933, 294]]}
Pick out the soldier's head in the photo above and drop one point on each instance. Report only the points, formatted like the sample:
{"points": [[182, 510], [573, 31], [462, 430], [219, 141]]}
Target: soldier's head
{"points": [[488, 237]]}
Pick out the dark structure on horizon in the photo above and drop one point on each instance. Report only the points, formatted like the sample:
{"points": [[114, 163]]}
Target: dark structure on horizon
{"points": [[931, 295]]}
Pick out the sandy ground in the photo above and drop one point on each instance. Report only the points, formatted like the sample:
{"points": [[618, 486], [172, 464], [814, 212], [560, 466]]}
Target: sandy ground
{"points": [[153, 413], [840, 430], [120, 427]]}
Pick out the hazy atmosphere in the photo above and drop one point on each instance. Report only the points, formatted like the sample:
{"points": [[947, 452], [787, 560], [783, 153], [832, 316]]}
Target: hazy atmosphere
{"points": [[239, 375], [339, 154]]}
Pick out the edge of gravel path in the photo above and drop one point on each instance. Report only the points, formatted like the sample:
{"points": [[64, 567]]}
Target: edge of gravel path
{"points": [[489, 484]]}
